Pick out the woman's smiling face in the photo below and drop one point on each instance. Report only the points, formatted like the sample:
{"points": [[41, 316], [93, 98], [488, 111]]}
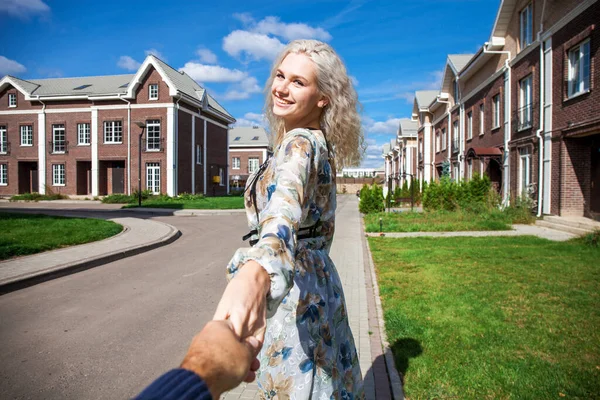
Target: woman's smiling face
{"points": [[296, 97]]}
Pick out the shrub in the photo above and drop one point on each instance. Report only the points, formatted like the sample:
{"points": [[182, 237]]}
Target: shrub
{"points": [[37, 196], [119, 199], [592, 239], [371, 199]]}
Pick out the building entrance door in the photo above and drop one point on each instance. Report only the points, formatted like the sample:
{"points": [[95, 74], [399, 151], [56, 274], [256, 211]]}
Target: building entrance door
{"points": [[595, 177], [118, 179]]}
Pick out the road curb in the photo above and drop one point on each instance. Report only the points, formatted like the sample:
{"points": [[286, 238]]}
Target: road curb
{"points": [[23, 281]]}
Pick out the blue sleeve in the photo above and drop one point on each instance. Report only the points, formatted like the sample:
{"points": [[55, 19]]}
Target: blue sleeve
{"points": [[177, 384]]}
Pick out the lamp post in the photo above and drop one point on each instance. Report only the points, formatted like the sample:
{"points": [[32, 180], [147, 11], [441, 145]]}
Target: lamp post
{"points": [[143, 126]]}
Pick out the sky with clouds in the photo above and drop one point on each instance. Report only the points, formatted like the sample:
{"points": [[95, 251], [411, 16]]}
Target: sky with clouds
{"points": [[391, 47]]}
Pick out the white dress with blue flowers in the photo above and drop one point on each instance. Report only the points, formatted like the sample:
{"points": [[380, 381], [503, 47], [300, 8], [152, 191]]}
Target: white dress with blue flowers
{"points": [[309, 351]]}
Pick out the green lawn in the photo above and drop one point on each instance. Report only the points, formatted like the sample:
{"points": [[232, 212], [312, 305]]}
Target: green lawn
{"points": [[492, 318], [204, 203], [438, 221], [24, 234]]}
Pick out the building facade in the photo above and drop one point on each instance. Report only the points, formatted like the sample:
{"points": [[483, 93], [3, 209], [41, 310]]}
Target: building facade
{"points": [[248, 148], [82, 136]]}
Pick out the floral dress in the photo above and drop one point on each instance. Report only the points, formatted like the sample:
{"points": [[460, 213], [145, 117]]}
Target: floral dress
{"points": [[309, 351]]}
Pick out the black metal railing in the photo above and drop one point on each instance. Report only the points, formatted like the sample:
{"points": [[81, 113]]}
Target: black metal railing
{"points": [[153, 144], [58, 146], [455, 146], [525, 117], [5, 147]]}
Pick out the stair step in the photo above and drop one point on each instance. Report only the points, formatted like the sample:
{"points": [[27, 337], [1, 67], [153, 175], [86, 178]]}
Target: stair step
{"points": [[563, 227], [585, 224]]}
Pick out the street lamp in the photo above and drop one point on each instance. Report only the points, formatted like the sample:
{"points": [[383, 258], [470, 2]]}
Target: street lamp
{"points": [[143, 126]]}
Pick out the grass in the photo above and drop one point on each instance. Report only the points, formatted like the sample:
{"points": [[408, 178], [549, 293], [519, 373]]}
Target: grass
{"points": [[37, 197], [438, 221], [24, 234], [185, 201], [492, 318]]}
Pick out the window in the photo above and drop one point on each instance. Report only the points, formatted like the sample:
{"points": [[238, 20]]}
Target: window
{"points": [[3, 174], [579, 69], [437, 142], [235, 163], [113, 132], [199, 154], [153, 135], [153, 92], [470, 125], [255, 138], [455, 171], [221, 177], [525, 102], [444, 139], [59, 143], [524, 170], [153, 177], [26, 135], [237, 139], [58, 174], [252, 164], [83, 134], [12, 99], [496, 111], [481, 119], [3, 140], [526, 26], [470, 169], [455, 139]]}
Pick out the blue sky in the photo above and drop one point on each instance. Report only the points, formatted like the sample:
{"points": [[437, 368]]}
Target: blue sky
{"points": [[391, 47]]}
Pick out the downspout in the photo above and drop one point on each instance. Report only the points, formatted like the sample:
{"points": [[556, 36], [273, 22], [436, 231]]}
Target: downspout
{"points": [[539, 132], [461, 138], [507, 135], [42, 152], [128, 144], [176, 149]]}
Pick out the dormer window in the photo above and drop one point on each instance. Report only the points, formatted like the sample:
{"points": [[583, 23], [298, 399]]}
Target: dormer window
{"points": [[153, 92], [12, 99], [237, 138], [255, 138], [526, 26]]}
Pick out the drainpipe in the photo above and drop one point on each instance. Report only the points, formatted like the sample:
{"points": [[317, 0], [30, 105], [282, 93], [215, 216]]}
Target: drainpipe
{"points": [[176, 148], [507, 133], [128, 144], [461, 139], [540, 131], [42, 150]]}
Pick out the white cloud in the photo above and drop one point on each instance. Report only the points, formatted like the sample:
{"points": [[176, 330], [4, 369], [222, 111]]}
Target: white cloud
{"points": [[128, 63], [251, 119], [213, 73], [354, 80], [255, 46], [10, 67], [243, 90], [272, 25], [206, 56], [390, 126], [244, 18], [23, 8], [155, 53]]}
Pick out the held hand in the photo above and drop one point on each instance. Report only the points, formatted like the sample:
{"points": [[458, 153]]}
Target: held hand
{"points": [[244, 301], [220, 359]]}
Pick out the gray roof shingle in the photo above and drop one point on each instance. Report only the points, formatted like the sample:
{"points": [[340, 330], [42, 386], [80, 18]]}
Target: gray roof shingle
{"points": [[246, 135], [425, 97], [459, 61], [89, 85], [408, 127]]}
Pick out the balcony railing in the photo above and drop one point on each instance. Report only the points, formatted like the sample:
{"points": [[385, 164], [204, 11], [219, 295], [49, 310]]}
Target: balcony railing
{"points": [[58, 146], [524, 117], [455, 146], [153, 144], [5, 147]]}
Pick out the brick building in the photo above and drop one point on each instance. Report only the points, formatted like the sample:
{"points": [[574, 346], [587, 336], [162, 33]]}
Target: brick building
{"points": [[525, 109], [248, 148], [79, 136]]}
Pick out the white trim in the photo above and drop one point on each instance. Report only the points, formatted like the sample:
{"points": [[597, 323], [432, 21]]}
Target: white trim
{"points": [[142, 71], [204, 160], [193, 154], [249, 150], [42, 153], [18, 112], [232, 147], [94, 143], [170, 150], [226, 169]]}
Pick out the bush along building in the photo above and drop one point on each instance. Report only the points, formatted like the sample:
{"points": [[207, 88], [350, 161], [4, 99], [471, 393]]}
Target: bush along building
{"points": [[524, 109], [80, 136]]}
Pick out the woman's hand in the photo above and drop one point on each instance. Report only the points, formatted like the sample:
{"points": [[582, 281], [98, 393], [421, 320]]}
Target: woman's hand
{"points": [[244, 301]]}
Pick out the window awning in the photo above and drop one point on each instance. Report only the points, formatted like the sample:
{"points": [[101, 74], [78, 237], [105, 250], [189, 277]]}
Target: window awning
{"points": [[478, 152]]}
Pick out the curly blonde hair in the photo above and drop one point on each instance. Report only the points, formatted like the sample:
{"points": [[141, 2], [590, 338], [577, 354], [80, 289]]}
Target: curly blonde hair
{"points": [[340, 119]]}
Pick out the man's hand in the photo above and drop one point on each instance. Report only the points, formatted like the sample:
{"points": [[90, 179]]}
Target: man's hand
{"points": [[220, 358]]}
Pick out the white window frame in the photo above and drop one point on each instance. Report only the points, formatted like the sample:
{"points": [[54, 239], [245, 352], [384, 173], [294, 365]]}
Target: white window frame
{"points": [[443, 139], [437, 142], [456, 171], [199, 154], [26, 135], [110, 132], [3, 174], [470, 169], [153, 177], [3, 140], [481, 119], [526, 102], [59, 139], [153, 91], [455, 138], [58, 175], [578, 80], [496, 111], [83, 134], [526, 26], [253, 164], [235, 163], [153, 135], [12, 100], [524, 170], [470, 125], [221, 176]]}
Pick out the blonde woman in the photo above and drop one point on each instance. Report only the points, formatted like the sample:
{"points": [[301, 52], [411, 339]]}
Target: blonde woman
{"points": [[285, 289]]}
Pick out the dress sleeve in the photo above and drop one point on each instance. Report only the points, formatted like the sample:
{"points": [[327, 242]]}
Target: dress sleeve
{"points": [[279, 221]]}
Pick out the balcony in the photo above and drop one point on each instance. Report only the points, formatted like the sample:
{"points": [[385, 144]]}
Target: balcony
{"points": [[153, 144], [524, 117], [58, 147], [455, 146], [4, 147]]}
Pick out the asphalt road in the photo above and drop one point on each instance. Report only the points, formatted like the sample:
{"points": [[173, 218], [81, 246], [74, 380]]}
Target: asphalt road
{"points": [[107, 332]]}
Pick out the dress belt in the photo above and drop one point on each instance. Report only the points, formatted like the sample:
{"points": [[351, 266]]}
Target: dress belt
{"points": [[303, 233]]}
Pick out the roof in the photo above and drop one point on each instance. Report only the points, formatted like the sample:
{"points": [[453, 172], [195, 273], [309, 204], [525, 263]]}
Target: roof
{"points": [[86, 85], [459, 61], [424, 98], [386, 148], [247, 135], [408, 127]]}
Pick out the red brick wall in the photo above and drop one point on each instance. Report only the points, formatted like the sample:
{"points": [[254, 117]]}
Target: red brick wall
{"points": [[490, 138], [200, 168], [216, 155], [142, 92], [442, 154], [22, 104], [184, 152]]}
